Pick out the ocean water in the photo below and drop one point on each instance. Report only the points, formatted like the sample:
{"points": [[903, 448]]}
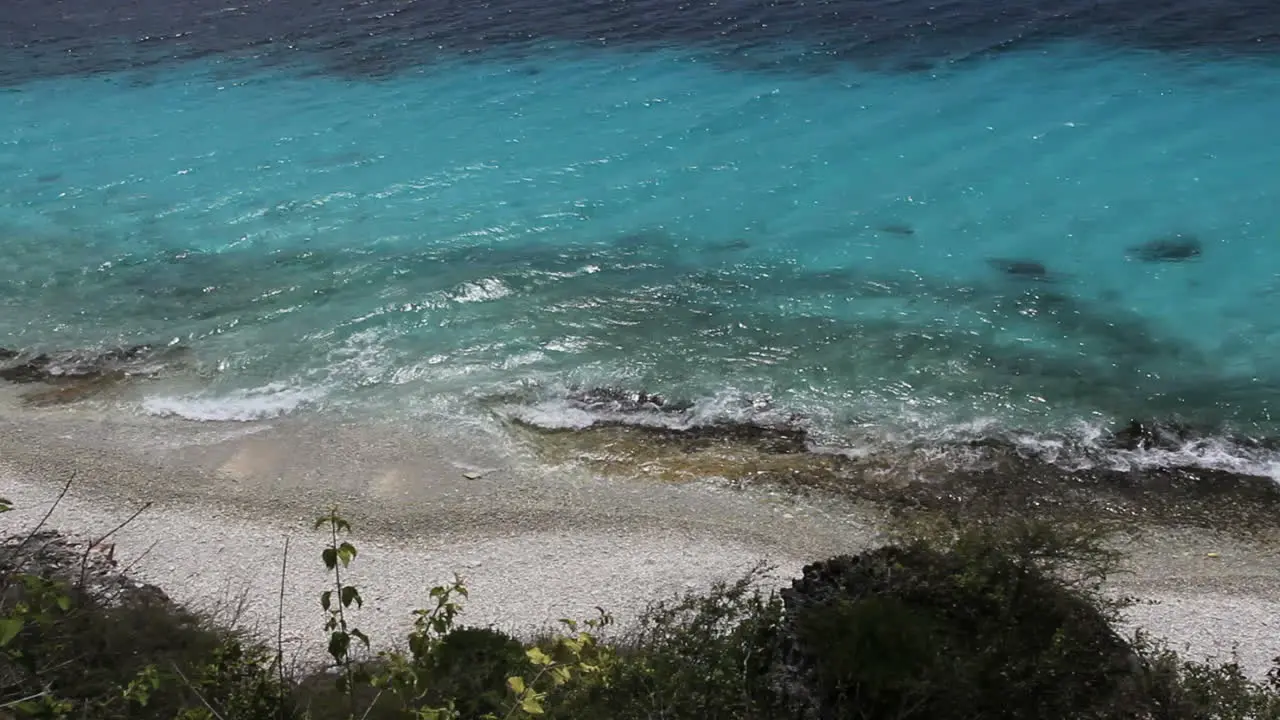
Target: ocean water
{"points": [[879, 220]]}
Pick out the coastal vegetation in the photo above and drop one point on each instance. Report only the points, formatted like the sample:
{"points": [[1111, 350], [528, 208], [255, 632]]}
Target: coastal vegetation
{"points": [[1006, 619]]}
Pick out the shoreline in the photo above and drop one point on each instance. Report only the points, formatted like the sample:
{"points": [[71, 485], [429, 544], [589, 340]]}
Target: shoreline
{"points": [[534, 546]]}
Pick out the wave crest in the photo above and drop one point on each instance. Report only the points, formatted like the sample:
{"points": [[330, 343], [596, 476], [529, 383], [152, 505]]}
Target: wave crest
{"points": [[261, 403]]}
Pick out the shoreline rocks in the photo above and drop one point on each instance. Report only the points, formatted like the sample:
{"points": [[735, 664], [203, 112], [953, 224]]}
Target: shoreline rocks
{"points": [[634, 436], [77, 374]]}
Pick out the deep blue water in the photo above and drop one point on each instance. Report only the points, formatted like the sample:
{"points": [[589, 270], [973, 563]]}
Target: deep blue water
{"points": [[877, 215]]}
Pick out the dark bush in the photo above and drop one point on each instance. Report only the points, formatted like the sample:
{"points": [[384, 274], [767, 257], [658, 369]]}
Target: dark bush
{"points": [[471, 666], [918, 632], [87, 654]]}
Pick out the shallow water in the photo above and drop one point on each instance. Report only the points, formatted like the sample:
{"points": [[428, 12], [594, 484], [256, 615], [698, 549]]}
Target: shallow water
{"points": [[903, 228]]}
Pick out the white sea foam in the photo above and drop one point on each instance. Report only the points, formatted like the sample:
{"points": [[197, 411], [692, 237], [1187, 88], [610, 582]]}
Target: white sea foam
{"points": [[481, 291], [261, 403]]}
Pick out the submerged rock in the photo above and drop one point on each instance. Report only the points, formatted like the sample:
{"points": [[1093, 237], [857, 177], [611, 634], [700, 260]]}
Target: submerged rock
{"points": [[1177, 248], [1139, 435], [1028, 269], [900, 229], [32, 370], [75, 375], [65, 393], [654, 421], [622, 401], [78, 365], [769, 440], [730, 246]]}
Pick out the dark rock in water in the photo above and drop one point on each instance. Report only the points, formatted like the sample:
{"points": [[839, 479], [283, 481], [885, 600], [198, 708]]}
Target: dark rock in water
{"points": [[897, 229], [1028, 269], [1177, 248], [730, 246], [7, 354], [643, 240], [78, 367], [622, 401], [771, 440], [916, 66], [984, 634], [32, 370], [69, 392], [615, 404], [1139, 435], [129, 354]]}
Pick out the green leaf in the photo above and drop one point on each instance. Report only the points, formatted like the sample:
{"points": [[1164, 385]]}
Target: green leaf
{"points": [[346, 553], [339, 643], [516, 683], [64, 603], [330, 557], [531, 705], [537, 657], [355, 633], [9, 629], [419, 645], [326, 599], [351, 595], [560, 675]]}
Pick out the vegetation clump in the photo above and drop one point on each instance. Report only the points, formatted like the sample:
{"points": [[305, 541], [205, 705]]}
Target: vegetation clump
{"points": [[915, 631], [997, 621]]}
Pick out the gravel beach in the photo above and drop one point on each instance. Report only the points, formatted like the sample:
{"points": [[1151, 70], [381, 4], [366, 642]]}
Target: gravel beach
{"points": [[532, 546]]}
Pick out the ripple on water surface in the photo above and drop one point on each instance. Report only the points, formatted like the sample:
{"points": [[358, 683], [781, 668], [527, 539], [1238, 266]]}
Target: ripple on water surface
{"points": [[1045, 239]]}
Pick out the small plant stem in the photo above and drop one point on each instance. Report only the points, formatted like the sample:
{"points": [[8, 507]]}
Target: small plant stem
{"points": [[342, 616], [22, 561], [84, 559], [193, 689], [284, 565]]}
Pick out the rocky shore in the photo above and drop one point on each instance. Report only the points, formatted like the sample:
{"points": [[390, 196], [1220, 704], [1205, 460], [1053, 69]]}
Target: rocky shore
{"points": [[533, 546]]}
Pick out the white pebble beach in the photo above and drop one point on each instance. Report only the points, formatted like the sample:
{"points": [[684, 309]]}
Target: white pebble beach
{"points": [[532, 546]]}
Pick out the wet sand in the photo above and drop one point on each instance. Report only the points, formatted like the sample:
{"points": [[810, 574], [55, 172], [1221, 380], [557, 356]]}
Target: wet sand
{"points": [[535, 543]]}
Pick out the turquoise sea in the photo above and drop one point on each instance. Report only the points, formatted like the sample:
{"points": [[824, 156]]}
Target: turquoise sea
{"points": [[895, 225]]}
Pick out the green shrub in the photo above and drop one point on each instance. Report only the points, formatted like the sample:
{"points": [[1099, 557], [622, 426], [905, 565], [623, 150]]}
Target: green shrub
{"points": [[701, 655], [143, 657], [1003, 621], [922, 633], [470, 666]]}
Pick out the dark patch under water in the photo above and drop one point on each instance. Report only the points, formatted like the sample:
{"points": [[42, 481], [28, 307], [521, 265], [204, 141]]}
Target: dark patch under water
{"points": [[1177, 248], [378, 37], [1119, 363]]}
